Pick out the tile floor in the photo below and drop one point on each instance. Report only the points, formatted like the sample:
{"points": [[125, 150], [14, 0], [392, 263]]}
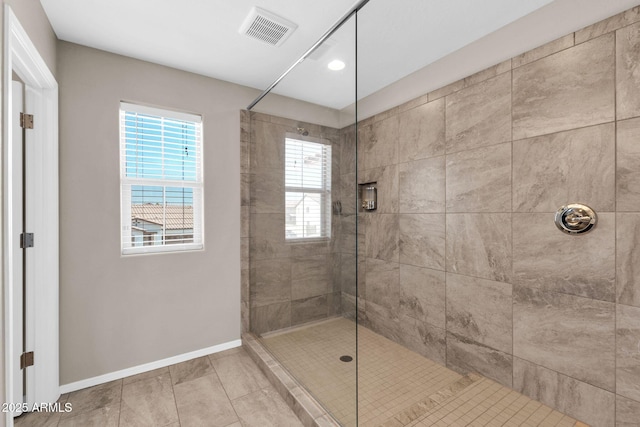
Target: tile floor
{"points": [[397, 387], [223, 389]]}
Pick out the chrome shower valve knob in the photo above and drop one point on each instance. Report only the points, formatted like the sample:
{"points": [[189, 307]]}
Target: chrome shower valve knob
{"points": [[576, 219]]}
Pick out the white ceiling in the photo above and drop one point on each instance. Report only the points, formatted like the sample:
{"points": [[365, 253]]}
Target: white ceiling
{"points": [[202, 36]]}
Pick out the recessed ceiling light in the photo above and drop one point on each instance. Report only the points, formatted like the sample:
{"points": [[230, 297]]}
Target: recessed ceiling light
{"points": [[336, 65]]}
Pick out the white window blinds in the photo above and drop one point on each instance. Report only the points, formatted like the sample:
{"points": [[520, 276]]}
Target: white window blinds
{"points": [[161, 180], [307, 189]]}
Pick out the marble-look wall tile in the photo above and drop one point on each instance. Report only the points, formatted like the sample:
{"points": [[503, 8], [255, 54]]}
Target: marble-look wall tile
{"points": [[245, 317], [628, 258], [480, 310], [566, 90], [553, 170], [548, 259], [381, 143], [413, 103], [305, 249], [351, 311], [382, 236], [627, 78], [364, 132], [244, 253], [465, 355], [422, 240], [348, 150], [267, 191], [272, 281], [347, 239], [479, 245], [245, 157], [245, 125], [627, 412], [267, 145], [610, 24], [422, 186], [628, 166], [245, 221], [334, 304], [628, 351], [386, 178], [310, 276], [479, 180], [347, 195], [272, 317], [446, 90], [348, 275], [393, 111], [423, 338], [422, 294], [383, 283], [335, 260], [487, 73], [245, 189], [383, 321], [421, 132], [309, 309], [571, 335], [545, 50], [577, 399], [268, 240], [479, 115]]}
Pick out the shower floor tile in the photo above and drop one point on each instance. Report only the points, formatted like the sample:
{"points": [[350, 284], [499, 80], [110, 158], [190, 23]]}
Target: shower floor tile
{"points": [[396, 386]]}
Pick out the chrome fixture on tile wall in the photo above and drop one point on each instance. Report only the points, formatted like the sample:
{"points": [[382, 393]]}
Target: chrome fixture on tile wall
{"points": [[576, 218]]}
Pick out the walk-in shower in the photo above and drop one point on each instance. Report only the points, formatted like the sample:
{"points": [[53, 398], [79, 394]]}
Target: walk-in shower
{"points": [[401, 263]]}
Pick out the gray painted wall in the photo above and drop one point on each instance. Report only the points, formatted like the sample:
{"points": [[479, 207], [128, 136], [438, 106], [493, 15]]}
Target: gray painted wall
{"points": [[118, 312]]}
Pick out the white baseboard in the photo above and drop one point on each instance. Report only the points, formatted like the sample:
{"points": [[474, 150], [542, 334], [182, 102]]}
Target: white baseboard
{"points": [[105, 378]]}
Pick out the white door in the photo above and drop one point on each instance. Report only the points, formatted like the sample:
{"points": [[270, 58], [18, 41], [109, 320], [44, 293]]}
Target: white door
{"points": [[18, 221], [30, 184], [34, 296]]}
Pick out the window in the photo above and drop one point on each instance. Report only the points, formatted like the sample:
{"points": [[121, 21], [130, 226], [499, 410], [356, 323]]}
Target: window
{"points": [[307, 189], [161, 181]]}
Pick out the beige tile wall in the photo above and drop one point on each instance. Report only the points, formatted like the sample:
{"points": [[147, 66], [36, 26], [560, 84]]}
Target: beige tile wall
{"points": [[462, 261], [284, 284]]}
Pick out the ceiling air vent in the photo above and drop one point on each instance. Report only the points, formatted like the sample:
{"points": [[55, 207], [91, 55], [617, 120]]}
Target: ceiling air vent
{"points": [[267, 27]]}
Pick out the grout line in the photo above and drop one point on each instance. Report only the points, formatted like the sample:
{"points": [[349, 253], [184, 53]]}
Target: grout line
{"points": [[121, 399], [446, 241], [592, 125], [615, 223], [226, 393], [513, 274], [173, 392]]}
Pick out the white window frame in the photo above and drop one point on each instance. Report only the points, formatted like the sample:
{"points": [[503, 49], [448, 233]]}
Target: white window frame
{"points": [[325, 191], [126, 182]]}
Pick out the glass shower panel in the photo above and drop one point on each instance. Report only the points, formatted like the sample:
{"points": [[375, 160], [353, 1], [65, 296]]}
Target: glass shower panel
{"points": [[303, 224]]}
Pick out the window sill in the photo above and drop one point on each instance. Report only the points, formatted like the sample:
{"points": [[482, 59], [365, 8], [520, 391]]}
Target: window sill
{"points": [[303, 240], [168, 249]]}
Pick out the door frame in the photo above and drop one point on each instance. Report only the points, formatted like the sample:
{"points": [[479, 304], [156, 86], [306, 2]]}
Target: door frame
{"points": [[21, 56]]}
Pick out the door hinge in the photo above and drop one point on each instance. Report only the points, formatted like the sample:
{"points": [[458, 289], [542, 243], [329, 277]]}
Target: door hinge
{"points": [[26, 240], [26, 121], [26, 359]]}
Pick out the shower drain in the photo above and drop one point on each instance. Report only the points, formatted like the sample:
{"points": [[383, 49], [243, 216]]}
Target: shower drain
{"points": [[346, 358]]}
